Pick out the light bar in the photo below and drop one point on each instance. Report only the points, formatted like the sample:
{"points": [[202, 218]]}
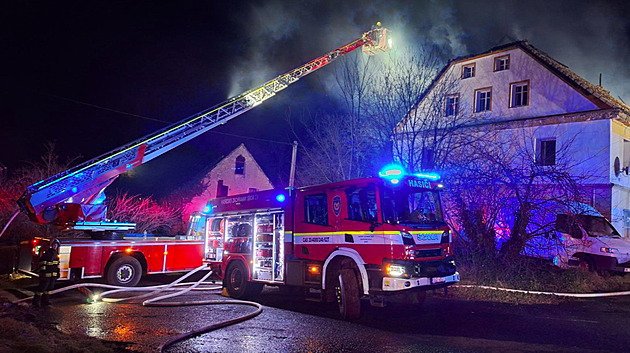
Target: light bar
{"points": [[431, 176]]}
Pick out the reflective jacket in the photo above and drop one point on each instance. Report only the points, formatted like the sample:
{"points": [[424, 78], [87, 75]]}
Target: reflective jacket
{"points": [[49, 264]]}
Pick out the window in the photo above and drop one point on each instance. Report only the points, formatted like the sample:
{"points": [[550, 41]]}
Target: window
{"points": [[502, 63], [239, 166], [452, 105], [362, 203], [427, 161], [468, 70], [519, 94], [483, 100], [546, 152], [626, 154], [222, 190], [316, 209]]}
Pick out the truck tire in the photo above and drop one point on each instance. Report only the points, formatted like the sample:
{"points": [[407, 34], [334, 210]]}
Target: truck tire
{"points": [[348, 298], [236, 282], [587, 263], [124, 271]]}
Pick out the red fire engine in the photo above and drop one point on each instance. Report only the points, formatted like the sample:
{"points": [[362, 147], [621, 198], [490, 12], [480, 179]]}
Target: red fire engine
{"points": [[122, 262], [74, 199], [382, 238]]}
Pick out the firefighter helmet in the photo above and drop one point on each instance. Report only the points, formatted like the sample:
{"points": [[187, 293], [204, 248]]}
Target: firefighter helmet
{"points": [[55, 244]]}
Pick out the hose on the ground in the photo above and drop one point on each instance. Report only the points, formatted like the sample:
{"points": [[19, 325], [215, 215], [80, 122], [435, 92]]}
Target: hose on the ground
{"points": [[171, 287], [574, 295]]}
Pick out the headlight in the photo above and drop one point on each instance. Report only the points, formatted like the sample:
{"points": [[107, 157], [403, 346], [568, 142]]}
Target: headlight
{"points": [[395, 270], [609, 250]]}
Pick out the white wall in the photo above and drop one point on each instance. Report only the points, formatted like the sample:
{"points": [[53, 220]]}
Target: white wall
{"points": [[548, 94], [253, 177]]}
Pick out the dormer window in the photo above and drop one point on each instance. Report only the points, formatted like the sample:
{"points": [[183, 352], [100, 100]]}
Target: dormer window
{"points": [[239, 165], [468, 70], [502, 63]]}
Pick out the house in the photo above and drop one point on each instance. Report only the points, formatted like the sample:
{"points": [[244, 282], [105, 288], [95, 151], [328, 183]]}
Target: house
{"points": [[237, 173], [518, 88]]}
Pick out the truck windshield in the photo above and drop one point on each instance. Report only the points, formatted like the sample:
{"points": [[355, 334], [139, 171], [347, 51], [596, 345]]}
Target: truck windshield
{"points": [[412, 207], [597, 226]]}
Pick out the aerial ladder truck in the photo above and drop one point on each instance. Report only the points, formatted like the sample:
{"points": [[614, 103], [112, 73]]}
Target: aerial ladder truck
{"points": [[75, 199]]}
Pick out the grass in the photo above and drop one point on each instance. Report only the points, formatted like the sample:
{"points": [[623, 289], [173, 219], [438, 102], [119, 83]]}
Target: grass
{"points": [[532, 275]]}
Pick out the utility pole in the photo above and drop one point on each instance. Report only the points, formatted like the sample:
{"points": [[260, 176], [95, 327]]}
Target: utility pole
{"points": [[293, 159]]}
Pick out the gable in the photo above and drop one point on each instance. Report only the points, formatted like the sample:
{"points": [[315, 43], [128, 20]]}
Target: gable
{"points": [[547, 92]]}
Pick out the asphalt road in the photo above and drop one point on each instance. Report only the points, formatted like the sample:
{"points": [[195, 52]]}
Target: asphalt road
{"points": [[290, 324]]}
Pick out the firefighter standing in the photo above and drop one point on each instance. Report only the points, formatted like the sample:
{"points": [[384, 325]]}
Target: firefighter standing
{"points": [[48, 274]]}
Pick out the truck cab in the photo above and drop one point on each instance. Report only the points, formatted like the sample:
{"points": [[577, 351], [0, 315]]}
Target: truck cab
{"points": [[382, 238]]}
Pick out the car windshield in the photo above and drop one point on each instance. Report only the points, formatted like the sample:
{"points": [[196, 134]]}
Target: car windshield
{"points": [[597, 226], [412, 207]]}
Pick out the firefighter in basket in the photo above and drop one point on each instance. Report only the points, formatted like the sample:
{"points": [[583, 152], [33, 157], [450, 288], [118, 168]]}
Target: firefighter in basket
{"points": [[48, 268]]}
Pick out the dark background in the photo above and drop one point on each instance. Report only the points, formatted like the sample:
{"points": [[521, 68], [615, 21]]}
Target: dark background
{"points": [[91, 76]]}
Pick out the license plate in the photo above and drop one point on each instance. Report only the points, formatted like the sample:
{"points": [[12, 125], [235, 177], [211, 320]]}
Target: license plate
{"points": [[438, 280]]}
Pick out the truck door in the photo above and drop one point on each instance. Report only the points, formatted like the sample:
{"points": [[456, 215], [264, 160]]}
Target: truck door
{"points": [[361, 223]]}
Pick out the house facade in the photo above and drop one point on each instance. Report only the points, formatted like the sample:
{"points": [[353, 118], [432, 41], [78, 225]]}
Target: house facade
{"points": [[237, 173], [517, 90]]}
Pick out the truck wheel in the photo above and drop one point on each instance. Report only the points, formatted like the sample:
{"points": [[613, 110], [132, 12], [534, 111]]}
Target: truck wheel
{"points": [[587, 263], [124, 271], [348, 299], [236, 282]]}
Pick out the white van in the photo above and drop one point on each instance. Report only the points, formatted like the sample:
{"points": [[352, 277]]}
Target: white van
{"points": [[573, 236]]}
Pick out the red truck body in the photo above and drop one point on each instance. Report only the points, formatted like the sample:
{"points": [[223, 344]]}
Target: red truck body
{"points": [[361, 231], [118, 260]]}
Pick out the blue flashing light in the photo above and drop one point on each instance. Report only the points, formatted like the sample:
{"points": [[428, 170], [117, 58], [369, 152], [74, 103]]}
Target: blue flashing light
{"points": [[207, 209], [431, 176], [281, 198], [130, 165], [74, 189], [391, 170]]}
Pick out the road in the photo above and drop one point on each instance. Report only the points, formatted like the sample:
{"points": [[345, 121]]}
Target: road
{"points": [[290, 324]]}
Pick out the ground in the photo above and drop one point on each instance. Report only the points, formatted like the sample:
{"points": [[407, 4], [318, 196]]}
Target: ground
{"points": [[451, 323]]}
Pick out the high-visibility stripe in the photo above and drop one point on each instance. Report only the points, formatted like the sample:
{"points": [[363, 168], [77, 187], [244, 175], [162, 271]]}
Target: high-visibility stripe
{"points": [[367, 232]]}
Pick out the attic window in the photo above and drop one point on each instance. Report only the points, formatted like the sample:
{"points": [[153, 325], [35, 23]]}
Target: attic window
{"points": [[468, 70], [239, 166], [519, 94], [502, 63], [483, 100]]}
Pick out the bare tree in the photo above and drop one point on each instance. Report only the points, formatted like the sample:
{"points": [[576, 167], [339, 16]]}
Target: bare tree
{"points": [[148, 215], [502, 175], [15, 183]]}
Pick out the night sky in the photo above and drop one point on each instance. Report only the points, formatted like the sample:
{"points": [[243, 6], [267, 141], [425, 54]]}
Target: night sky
{"points": [[140, 61]]}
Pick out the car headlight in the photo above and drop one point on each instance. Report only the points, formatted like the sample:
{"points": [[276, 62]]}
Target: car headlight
{"points": [[609, 250], [395, 270]]}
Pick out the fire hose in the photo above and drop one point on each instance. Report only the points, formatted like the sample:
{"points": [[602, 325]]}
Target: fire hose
{"points": [[574, 295], [174, 286]]}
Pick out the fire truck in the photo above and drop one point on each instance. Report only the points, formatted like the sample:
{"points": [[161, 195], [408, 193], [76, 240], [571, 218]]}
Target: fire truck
{"points": [[122, 262], [75, 199], [383, 238]]}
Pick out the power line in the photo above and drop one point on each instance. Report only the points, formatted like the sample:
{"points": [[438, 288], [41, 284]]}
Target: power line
{"points": [[154, 119]]}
